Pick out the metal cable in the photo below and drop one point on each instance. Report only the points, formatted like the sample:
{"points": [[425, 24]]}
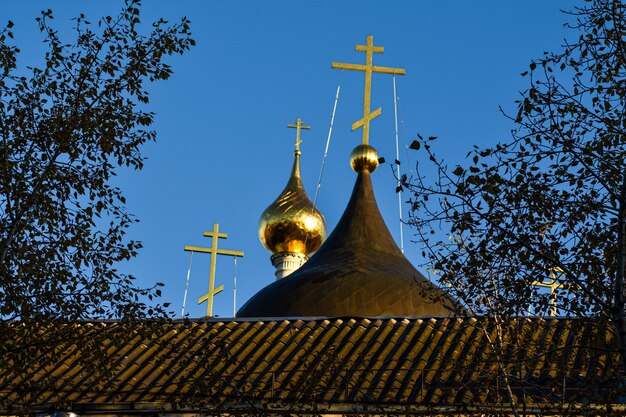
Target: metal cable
{"points": [[182, 314], [330, 132], [235, 287], [399, 185]]}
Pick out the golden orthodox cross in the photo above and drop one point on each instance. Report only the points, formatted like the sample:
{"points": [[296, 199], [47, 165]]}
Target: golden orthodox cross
{"points": [[298, 126], [214, 251], [553, 284], [369, 68]]}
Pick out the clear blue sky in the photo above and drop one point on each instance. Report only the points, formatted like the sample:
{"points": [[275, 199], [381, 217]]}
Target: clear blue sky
{"points": [[223, 151]]}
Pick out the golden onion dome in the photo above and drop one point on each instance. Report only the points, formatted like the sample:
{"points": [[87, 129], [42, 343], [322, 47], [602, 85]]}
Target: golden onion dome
{"points": [[292, 223]]}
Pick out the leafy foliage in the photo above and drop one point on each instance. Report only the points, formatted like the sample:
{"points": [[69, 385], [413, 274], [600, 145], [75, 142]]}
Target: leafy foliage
{"points": [[547, 201], [550, 203], [66, 129]]}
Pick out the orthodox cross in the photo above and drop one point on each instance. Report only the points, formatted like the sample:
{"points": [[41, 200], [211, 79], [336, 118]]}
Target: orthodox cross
{"points": [[553, 284], [298, 126], [369, 68], [214, 251]]}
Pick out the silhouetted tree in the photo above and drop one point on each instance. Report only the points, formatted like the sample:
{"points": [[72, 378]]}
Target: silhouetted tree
{"points": [[552, 200], [66, 128]]}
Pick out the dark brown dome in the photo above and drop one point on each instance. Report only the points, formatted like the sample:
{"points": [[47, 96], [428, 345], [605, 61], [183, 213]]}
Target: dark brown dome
{"points": [[359, 271]]}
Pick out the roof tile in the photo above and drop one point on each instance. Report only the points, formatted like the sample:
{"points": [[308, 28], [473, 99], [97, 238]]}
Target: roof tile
{"points": [[330, 361]]}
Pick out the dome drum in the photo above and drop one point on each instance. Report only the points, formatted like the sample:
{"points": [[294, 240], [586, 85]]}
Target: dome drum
{"points": [[287, 262]]}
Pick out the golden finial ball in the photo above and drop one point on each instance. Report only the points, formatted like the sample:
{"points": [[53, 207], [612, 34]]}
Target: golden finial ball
{"points": [[364, 157]]}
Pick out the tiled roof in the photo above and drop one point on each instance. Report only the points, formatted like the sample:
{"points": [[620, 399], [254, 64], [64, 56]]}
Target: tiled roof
{"points": [[335, 365]]}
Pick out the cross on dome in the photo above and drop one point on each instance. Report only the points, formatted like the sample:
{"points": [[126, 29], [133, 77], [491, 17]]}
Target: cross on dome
{"points": [[298, 126], [368, 68], [553, 284], [215, 235]]}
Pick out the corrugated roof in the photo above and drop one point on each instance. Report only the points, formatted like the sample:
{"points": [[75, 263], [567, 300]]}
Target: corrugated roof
{"points": [[338, 365]]}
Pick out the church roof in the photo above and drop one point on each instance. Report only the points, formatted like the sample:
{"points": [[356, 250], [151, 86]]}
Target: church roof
{"points": [[358, 271], [312, 365]]}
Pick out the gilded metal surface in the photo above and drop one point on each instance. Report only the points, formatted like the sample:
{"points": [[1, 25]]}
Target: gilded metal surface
{"points": [[359, 271], [553, 284], [298, 126], [368, 68], [214, 251], [364, 157], [292, 223], [209, 250]]}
